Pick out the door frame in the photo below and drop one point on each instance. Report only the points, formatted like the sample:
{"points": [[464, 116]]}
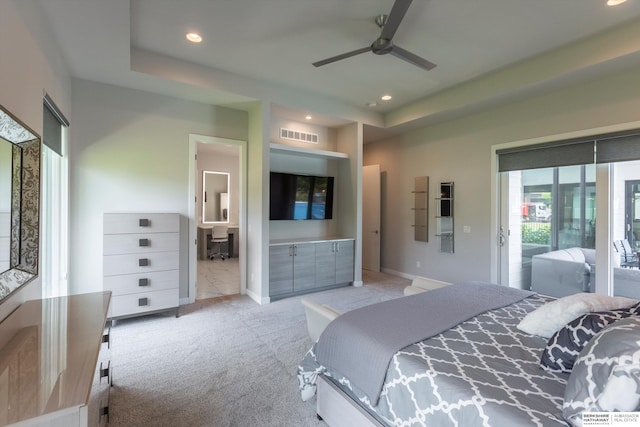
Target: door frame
{"points": [[629, 210], [193, 214]]}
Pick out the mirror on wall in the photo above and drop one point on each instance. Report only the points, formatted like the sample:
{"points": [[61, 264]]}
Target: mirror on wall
{"points": [[19, 211], [215, 196]]}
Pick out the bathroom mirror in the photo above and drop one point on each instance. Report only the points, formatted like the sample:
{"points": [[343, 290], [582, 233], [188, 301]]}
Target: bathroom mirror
{"points": [[19, 211], [215, 197]]}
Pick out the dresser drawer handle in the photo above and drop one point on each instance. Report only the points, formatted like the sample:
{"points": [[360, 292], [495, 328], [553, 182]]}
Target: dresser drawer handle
{"points": [[104, 372], [143, 301], [106, 338], [104, 412], [143, 282], [143, 262], [144, 222], [144, 242]]}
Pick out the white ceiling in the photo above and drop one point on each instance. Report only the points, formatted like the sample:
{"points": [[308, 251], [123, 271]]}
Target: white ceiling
{"points": [[263, 49]]}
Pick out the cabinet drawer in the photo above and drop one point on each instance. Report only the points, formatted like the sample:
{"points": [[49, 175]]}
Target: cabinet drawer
{"points": [[142, 302], [141, 282], [119, 244], [140, 263], [116, 223]]}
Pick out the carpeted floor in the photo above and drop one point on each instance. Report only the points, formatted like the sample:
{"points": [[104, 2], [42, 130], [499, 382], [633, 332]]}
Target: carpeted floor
{"points": [[225, 361]]}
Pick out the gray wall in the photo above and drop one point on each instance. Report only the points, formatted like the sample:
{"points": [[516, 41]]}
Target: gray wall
{"points": [[30, 65], [460, 151], [129, 153]]}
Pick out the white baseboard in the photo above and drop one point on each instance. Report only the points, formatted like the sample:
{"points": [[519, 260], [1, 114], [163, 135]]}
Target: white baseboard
{"points": [[256, 298], [398, 273]]}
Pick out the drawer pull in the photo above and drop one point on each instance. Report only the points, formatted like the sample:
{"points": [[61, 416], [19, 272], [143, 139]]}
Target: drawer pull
{"points": [[104, 412], [106, 338], [143, 282], [143, 301], [104, 372], [144, 222], [143, 262], [144, 242]]}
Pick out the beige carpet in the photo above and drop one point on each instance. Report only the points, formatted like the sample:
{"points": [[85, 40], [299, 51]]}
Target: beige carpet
{"points": [[224, 362]]}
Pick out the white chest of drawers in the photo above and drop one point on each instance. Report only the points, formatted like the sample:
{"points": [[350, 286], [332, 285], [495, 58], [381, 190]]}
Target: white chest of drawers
{"points": [[141, 262]]}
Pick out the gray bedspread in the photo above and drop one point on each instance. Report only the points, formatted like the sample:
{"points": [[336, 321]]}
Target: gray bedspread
{"points": [[484, 372], [361, 343]]}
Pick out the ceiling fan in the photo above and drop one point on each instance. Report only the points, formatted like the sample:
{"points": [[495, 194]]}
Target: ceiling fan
{"points": [[384, 43]]}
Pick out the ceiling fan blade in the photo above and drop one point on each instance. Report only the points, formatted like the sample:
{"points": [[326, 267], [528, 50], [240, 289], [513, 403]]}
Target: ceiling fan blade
{"points": [[341, 56], [412, 58], [394, 19]]}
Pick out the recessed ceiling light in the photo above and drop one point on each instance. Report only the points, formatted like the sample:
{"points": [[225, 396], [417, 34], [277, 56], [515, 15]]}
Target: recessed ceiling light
{"points": [[194, 37], [386, 97], [308, 117], [615, 2], [372, 104]]}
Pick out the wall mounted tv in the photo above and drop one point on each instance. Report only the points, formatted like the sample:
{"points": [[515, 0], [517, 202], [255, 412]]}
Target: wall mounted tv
{"points": [[297, 197]]}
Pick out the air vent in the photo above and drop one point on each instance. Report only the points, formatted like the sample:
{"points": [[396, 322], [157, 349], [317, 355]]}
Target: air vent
{"points": [[311, 138]]}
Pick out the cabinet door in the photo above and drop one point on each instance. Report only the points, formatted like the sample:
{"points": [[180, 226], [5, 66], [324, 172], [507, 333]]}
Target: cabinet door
{"points": [[325, 264], [280, 269], [344, 261], [304, 266]]}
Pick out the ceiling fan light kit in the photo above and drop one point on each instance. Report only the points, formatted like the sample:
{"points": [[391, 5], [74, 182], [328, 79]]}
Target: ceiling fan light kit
{"points": [[384, 43]]}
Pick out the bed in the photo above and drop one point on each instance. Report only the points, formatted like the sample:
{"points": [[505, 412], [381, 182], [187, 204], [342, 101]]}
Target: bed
{"points": [[479, 370]]}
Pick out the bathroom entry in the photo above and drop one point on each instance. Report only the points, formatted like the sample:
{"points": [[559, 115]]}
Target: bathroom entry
{"points": [[218, 203]]}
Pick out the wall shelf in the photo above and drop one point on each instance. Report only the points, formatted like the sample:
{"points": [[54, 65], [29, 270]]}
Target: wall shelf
{"points": [[444, 217], [421, 209], [310, 152]]}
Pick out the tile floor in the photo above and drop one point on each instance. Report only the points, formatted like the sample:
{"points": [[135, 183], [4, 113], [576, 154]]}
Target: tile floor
{"points": [[218, 278]]}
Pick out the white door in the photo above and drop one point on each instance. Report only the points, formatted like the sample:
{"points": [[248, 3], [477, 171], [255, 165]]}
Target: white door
{"points": [[371, 217]]}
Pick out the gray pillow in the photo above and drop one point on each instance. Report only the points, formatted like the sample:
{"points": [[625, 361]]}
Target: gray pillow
{"points": [[606, 375]]}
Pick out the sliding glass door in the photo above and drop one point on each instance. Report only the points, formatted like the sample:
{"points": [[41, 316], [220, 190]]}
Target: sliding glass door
{"points": [[549, 218], [552, 208]]}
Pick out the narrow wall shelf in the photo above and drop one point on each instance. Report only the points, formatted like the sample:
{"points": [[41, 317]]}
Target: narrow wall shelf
{"points": [[421, 209], [444, 217]]}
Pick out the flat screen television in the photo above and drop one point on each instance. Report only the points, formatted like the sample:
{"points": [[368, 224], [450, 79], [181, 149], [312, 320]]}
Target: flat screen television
{"points": [[300, 197]]}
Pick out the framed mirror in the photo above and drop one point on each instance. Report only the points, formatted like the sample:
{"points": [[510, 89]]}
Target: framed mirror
{"points": [[19, 210], [215, 197]]}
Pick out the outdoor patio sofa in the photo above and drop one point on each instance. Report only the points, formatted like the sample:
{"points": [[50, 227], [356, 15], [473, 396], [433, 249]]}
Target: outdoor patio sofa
{"points": [[567, 271]]}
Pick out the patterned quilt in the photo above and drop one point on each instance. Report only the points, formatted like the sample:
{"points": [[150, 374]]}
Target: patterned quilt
{"points": [[483, 372]]}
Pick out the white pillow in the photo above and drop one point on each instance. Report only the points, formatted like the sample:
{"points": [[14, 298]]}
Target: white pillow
{"points": [[546, 320]]}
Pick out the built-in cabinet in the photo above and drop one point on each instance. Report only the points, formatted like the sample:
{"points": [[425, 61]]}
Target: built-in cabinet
{"points": [[334, 262], [307, 266], [301, 258], [55, 367], [292, 268], [141, 262]]}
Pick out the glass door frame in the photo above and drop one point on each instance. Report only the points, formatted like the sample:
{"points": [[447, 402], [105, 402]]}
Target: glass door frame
{"points": [[604, 232]]}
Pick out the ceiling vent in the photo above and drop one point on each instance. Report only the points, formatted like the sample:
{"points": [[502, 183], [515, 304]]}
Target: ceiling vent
{"points": [[311, 138]]}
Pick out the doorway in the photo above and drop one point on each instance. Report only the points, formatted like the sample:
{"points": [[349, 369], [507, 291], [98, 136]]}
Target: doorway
{"points": [[217, 276]]}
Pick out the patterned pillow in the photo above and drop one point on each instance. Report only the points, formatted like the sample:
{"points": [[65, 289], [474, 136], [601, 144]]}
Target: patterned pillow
{"points": [[606, 375], [565, 345]]}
